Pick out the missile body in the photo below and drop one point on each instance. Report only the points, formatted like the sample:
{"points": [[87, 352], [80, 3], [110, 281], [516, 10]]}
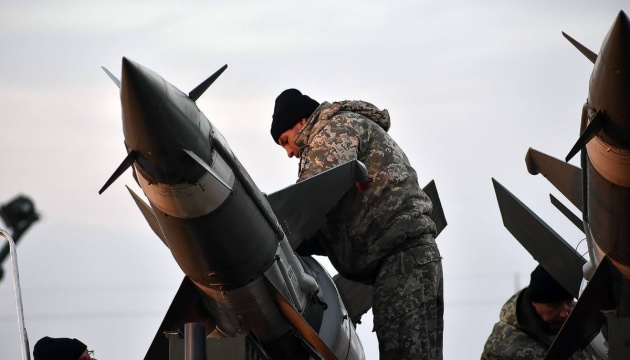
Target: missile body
{"points": [[221, 229], [607, 156]]}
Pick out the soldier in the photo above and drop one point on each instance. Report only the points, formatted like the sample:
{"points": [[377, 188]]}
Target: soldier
{"points": [[381, 236], [530, 320], [48, 348]]}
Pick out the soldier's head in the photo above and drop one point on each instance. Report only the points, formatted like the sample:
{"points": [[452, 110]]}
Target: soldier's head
{"points": [[550, 300], [290, 113], [48, 348]]}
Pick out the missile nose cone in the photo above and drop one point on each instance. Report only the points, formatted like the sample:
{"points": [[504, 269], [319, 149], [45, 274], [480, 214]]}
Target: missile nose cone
{"points": [[609, 89], [615, 49], [159, 122], [141, 93], [133, 73]]}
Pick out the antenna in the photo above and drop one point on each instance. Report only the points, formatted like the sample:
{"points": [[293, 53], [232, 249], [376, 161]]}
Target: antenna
{"points": [[26, 353]]}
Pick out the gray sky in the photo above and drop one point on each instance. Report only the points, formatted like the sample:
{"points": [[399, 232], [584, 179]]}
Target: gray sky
{"points": [[470, 86]]}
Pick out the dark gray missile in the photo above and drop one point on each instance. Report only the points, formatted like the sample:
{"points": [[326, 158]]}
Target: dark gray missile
{"points": [[211, 224], [242, 274]]}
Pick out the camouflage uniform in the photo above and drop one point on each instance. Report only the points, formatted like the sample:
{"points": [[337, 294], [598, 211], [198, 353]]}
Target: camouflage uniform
{"points": [[383, 235], [520, 333]]}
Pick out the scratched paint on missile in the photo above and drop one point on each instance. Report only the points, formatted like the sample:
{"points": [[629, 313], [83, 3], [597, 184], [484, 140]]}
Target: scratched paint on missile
{"points": [[191, 200]]}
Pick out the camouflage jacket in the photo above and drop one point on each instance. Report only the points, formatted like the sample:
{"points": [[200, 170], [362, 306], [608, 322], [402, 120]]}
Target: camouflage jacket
{"points": [[366, 225], [519, 334]]}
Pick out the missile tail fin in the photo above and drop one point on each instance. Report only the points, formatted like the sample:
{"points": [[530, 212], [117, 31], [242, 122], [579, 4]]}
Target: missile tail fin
{"points": [[583, 49], [301, 208], [586, 318], [544, 244], [356, 297], [437, 215], [149, 215], [187, 306], [565, 177], [129, 160], [201, 88], [111, 76]]}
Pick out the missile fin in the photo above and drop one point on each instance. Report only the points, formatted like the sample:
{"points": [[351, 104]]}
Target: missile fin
{"points": [[129, 160], [589, 133], [565, 177], [208, 169], [301, 208], [111, 76], [437, 215], [583, 49], [201, 88], [566, 212], [356, 297], [541, 241], [309, 336], [187, 306], [149, 215], [586, 319]]}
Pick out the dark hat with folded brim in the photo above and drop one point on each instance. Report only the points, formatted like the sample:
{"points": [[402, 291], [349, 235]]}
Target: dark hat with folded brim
{"points": [[48, 348], [291, 107], [543, 288]]}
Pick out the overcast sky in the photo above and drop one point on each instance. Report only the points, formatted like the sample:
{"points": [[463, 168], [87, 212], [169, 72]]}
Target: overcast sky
{"points": [[470, 86]]}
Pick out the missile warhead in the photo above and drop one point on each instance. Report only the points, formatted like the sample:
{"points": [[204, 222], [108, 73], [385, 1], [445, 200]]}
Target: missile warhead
{"points": [[609, 87], [159, 121]]}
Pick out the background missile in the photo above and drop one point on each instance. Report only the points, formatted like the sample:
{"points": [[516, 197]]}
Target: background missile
{"points": [[607, 165], [601, 191]]}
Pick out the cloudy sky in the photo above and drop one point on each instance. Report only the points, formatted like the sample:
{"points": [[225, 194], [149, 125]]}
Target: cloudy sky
{"points": [[470, 86]]}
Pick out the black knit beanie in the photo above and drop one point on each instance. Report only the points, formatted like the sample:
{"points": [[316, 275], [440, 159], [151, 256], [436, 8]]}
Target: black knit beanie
{"points": [[543, 288], [48, 348], [291, 107]]}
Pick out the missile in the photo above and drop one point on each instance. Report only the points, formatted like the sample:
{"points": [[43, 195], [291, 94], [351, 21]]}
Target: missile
{"points": [[241, 273], [600, 189], [606, 156]]}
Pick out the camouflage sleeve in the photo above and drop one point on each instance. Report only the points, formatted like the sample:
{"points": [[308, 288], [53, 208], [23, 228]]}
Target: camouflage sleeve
{"points": [[510, 343], [493, 347], [336, 144]]}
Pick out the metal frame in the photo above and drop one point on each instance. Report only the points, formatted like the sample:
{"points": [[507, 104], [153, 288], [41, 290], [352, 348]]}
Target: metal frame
{"points": [[26, 353]]}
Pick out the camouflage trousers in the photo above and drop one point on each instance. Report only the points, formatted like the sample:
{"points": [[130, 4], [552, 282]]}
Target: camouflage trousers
{"points": [[409, 304]]}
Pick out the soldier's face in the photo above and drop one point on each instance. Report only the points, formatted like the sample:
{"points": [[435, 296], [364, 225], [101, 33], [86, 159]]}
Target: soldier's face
{"points": [[287, 139], [554, 314]]}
